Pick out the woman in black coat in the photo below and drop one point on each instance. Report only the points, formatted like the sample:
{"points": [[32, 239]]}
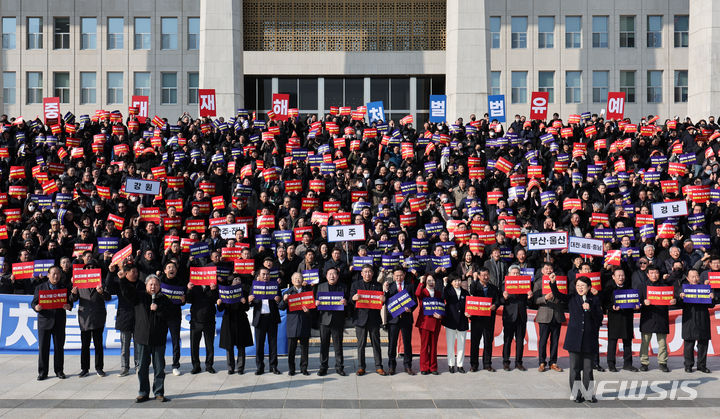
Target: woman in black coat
{"points": [[455, 322], [235, 330], [695, 326], [581, 338]]}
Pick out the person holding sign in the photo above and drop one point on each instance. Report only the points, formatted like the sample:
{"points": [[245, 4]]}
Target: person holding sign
{"points": [[455, 322], [695, 324], [171, 276], [235, 329], [298, 325], [151, 309], [429, 292], [266, 318], [402, 323], [332, 324], [514, 320], [620, 307], [654, 319], [48, 303], [581, 337], [367, 321], [483, 327], [202, 299], [91, 317]]}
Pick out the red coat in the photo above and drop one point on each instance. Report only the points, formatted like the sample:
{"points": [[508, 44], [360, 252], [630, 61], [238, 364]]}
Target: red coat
{"points": [[427, 322]]}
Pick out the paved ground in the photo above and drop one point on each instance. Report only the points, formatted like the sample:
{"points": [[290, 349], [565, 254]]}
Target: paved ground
{"points": [[500, 394]]}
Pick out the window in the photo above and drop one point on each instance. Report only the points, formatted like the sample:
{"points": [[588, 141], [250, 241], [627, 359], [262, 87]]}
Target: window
{"points": [[681, 86], [88, 33], [654, 86], [495, 32], [87, 88], [573, 91], [627, 31], [627, 85], [308, 93], [62, 33], [34, 87], [9, 27], [546, 32], [600, 86], [193, 86], [519, 87], [168, 33], [114, 87], [546, 83], [519, 32], [333, 92], [143, 33], [380, 90], [142, 84], [600, 31], [115, 37], [681, 31], [654, 31], [62, 86], [169, 88], [573, 31], [9, 84], [34, 33], [354, 91], [495, 83], [193, 33]]}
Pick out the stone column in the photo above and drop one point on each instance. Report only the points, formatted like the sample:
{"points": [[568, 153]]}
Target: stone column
{"points": [[467, 59], [703, 64], [221, 53]]}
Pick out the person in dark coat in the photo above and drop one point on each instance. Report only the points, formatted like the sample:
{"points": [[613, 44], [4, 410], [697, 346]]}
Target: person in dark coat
{"points": [[367, 321], [202, 299], [51, 326], [171, 276], [235, 330], [298, 324], [653, 319], [91, 317], [266, 318], [429, 326], [483, 327], [125, 316], [332, 324], [620, 321], [581, 337], [550, 317], [151, 309], [695, 327], [514, 322], [402, 323], [455, 322]]}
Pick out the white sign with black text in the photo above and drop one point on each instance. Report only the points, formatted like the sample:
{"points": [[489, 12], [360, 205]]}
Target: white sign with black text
{"points": [[547, 241], [582, 246], [142, 186], [346, 233], [669, 209]]}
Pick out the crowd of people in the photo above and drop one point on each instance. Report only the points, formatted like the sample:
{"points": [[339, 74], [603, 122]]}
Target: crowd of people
{"points": [[446, 209]]}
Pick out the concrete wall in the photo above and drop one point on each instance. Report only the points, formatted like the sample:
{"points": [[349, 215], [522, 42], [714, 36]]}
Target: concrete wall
{"points": [[704, 74]]}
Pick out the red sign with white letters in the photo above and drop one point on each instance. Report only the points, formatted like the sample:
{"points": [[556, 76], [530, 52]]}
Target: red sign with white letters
{"points": [[539, 105], [280, 105], [615, 105], [51, 109], [142, 103], [207, 102]]}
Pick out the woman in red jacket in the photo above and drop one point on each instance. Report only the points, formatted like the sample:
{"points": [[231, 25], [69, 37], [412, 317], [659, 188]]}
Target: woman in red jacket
{"points": [[430, 294]]}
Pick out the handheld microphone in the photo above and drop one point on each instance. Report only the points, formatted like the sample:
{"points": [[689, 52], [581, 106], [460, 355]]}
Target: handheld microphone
{"points": [[153, 298], [584, 297]]}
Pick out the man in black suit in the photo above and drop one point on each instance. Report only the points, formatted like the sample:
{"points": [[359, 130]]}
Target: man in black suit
{"points": [[514, 322], [482, 327], [51, 325], [298, 324], [332, 324], [202, 324], [402, 323], [367, 321], [91, 317], [266, 318]]}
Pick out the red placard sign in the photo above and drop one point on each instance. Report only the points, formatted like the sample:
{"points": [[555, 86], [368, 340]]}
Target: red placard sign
{"points": [[369, 299], [203, 276], [52, 299], [298, 301], [51, 109], [660, 296], [478, 306], [207, 102], [280, 105], [519, 284], [86, 278], [539, 105], [142, 103], [615, 105]]}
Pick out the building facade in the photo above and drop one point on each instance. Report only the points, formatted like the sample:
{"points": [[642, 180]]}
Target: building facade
{"points": [[96, 54]]}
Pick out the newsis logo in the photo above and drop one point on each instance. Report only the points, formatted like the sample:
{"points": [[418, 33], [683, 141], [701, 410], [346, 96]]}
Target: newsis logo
{"points": [[637, 390]]}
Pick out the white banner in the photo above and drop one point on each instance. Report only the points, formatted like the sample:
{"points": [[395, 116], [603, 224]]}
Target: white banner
{"points": [[584, 246], [669, 209], [227, 231], [547, 241], [346, 233], [142, 186]]}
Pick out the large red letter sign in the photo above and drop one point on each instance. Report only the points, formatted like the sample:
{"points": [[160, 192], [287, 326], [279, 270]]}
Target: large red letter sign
{"points": [[280, 105], [142, 103], [207, 102], [539, 105], [51, 109], [615, 105]]}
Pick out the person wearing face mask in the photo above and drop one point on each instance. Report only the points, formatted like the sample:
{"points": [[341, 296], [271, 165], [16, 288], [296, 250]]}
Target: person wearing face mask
{"points": [[581, 338], [150, 333]]}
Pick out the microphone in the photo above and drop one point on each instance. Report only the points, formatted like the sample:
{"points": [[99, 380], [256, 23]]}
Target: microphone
{"points": [[153, 298], [584, 297]]}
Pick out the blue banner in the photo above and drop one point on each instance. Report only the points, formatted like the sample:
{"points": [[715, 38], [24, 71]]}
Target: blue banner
{"points": [[627, 298], [697, 294], [433, 306], [438, 108], [19, 329], [397, 304], [496, 107], [375, 111]]}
